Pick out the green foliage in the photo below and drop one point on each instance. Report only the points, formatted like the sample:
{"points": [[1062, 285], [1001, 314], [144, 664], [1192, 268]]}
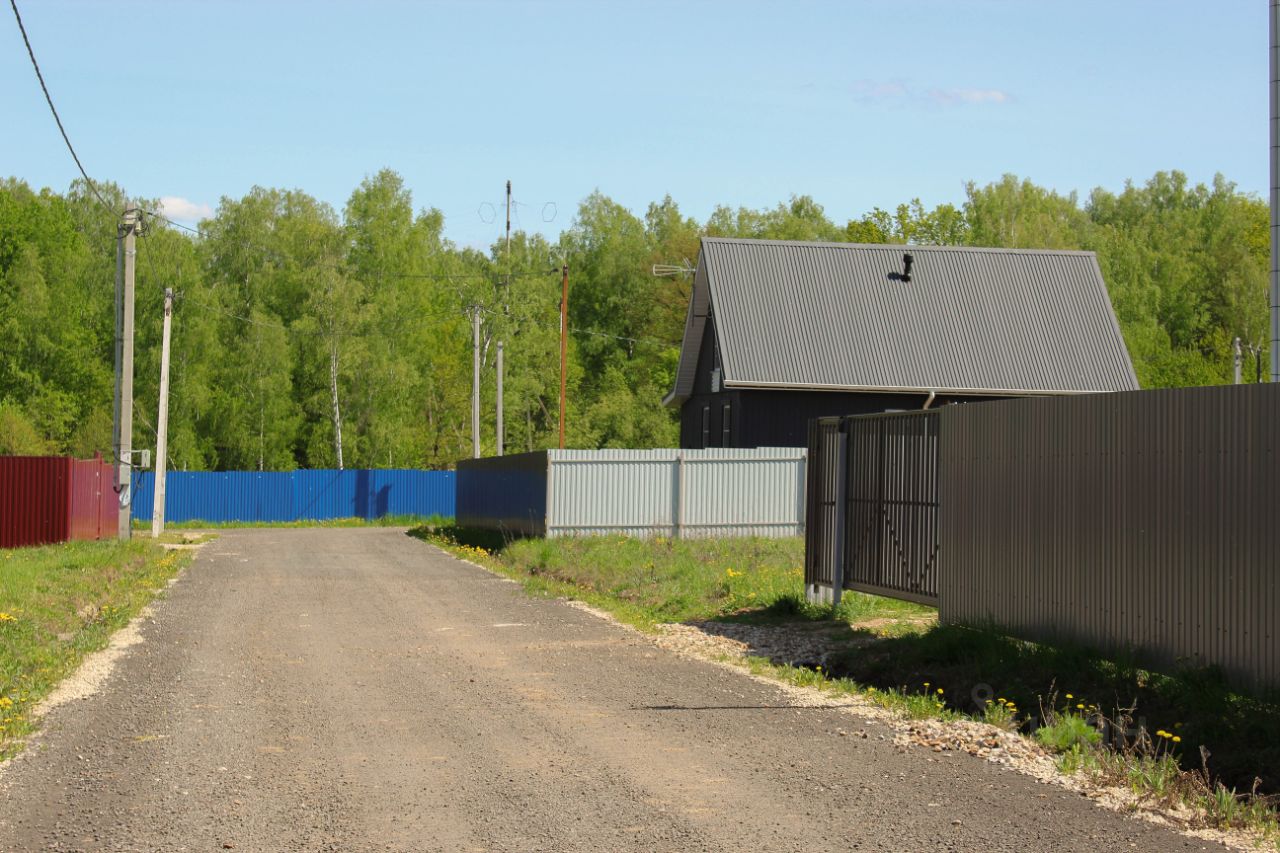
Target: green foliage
{"points": [[1067, 732], [295, 319], [18, 435]]}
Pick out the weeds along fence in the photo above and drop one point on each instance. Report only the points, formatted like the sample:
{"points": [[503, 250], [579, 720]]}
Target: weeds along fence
{"points": [[1144, 521], [46, 499], [677, 493], [312, 495]]}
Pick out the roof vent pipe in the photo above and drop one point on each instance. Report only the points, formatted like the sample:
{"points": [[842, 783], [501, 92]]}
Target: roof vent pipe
{"points": [[907, 259]]}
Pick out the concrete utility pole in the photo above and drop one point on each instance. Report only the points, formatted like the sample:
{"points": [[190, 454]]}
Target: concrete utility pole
{"points": [[508, 222], [1238, 357], [501, 441], [1275, 190], [126, 258], [564, 343], [475, 382], [162, 419]]}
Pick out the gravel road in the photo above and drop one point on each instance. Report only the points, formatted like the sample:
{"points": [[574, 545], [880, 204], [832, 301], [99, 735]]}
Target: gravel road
{"points": [[358, 690]]}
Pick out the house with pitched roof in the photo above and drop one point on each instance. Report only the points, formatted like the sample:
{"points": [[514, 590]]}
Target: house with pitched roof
{"points": [[780, 332]]}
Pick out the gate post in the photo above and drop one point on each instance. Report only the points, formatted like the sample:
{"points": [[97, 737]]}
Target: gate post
{"points": [[842, 509]]}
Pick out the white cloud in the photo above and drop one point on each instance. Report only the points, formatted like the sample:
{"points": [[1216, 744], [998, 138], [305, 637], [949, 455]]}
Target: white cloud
{"points": [[969, 96], [880, 90], [184, 210], [898, 91]]}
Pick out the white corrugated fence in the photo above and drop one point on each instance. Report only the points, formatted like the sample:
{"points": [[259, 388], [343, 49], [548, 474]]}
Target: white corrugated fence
{"points": [[679, 493]]}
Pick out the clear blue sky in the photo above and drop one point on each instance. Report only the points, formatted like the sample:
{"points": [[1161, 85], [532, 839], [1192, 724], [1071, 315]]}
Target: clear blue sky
{"points": [[859, 104]]}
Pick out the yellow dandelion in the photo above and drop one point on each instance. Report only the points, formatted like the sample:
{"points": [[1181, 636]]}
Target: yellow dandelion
{"points": [[939, 691]]}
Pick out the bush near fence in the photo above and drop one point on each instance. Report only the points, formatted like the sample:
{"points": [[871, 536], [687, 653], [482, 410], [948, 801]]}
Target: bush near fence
{"points": [[272, 496]]}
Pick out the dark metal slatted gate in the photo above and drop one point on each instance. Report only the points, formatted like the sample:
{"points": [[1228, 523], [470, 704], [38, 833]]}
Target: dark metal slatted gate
{"points": [[872, 520], [820, 502]]}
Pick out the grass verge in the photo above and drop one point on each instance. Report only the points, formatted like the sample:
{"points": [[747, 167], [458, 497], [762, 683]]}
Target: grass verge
{"points": [[648, 582], [383, 521], [1184, 737], [58, 603]]}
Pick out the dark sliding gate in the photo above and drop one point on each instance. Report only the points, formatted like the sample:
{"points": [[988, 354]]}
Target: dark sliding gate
{"points": [[872, 521]]}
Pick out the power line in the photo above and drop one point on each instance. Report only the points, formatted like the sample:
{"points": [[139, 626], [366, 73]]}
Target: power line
{"points": [[580, 331], [54, 110]]}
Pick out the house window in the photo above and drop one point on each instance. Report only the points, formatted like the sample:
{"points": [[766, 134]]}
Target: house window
{"points": [[724, 427], [706, 426]]}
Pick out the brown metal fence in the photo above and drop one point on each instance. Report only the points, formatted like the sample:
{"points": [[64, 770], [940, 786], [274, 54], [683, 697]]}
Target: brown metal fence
{"points": [[1144, 521]]}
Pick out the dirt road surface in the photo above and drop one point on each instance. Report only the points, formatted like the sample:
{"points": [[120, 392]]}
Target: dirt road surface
{"points": [[358, 690]]}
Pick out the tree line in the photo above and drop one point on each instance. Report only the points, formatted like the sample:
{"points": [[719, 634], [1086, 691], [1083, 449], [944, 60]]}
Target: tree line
{"points": [[308, 337]]}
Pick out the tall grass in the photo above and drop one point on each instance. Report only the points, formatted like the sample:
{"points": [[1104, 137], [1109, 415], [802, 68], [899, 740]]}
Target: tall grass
{"points": [[674, 580]]}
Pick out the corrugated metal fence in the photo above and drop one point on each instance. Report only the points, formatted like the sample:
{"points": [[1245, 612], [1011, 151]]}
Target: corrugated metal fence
{"points": [[680, 493], [47, 499], [883, 470], [1147, 520], [296, 495]]}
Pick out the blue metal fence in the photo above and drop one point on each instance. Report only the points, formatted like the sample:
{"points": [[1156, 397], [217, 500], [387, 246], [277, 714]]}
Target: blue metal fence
{"points": [[296, 495]]}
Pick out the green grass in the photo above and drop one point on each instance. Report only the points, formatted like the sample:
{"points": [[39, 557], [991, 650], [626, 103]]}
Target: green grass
{"points": [[1197, 706], [383, 521], [647, 582], [58, 603]]}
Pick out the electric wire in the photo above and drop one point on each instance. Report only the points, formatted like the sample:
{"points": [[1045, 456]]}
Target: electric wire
{"points": [[581, 331], [58, 119]]}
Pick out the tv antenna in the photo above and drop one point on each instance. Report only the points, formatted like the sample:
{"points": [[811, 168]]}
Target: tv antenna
{"points": [[674, 270]]}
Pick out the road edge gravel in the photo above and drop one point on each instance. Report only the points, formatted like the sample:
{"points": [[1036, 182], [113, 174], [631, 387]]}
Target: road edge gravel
{"points": [[948, 739]]}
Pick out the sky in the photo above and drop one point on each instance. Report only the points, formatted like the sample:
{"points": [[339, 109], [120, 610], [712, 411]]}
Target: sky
{"points": [[857, 104]]}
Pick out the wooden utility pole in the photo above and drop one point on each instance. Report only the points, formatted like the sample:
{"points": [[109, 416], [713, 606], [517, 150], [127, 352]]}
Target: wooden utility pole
{"points": [[508, 223], [162, 420], [475, 381], [564, 343], [126, 257]]}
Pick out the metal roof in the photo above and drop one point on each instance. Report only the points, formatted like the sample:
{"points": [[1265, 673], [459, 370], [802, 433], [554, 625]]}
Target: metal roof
{"points": [[839, 317]]}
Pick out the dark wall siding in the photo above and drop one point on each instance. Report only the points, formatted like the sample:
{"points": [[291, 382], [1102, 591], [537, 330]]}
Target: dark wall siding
{"points": [[781, 418], [691, 421], [707, 358]]}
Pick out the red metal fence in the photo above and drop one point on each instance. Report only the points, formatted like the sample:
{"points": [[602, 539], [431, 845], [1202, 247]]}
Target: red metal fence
{"points": [[52, 499]]}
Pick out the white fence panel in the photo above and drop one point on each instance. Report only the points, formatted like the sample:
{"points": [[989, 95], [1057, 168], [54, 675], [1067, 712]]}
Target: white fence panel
{"points": [[680, 493]]}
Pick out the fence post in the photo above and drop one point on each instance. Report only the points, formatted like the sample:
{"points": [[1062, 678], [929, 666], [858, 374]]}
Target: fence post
{"points": [[678, 515], [842, 501]]}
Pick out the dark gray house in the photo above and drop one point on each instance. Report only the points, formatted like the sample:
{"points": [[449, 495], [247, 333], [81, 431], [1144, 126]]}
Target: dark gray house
{"points": [[780, 332]]}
